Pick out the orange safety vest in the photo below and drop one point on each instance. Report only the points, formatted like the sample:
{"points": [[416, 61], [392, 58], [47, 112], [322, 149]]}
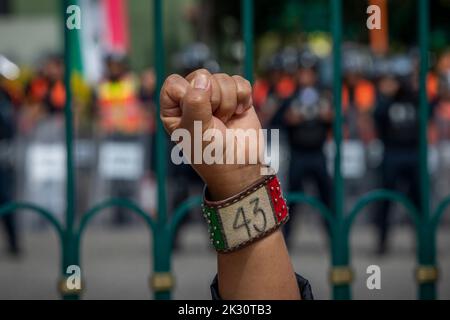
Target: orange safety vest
{"points": [[432, 86], [364, 96], [261, 90], [442, 121], [120, 110], [364, 101], [285, 87], [40, 89]]}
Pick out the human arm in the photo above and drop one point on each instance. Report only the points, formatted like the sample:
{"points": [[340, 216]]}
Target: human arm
{"points": [[263, 269]]}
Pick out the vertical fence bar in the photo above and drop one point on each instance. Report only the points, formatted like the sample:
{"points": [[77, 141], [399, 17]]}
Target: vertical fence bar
{"points": [[337, 94], [340, 256], [161, 165], [248, 35], [426, 233], [161, 243], [69, 257], [423, 108]]}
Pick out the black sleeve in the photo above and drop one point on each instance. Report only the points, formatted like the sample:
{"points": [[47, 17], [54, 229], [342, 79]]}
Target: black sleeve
{"points": [[6, 121], [380, 115], [278, 118], [303, 285]]}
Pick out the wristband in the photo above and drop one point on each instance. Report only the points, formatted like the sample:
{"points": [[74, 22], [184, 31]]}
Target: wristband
{"points": [[250, 215]]}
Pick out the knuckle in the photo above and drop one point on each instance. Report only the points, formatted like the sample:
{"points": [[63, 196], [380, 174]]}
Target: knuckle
{"points": [[244, 86], [171, 84], [248, 84], [203, 70], [172, 79], [174, 87], [247, 88], [215, 100], [222, 77], [242, 81]]}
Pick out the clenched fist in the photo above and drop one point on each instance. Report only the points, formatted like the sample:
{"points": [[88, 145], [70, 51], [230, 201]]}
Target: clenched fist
{"points": [[221, 104]]}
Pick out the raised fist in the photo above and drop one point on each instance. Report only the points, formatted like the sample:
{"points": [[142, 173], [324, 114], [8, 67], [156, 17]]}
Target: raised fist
{"points": [[214, 106]]}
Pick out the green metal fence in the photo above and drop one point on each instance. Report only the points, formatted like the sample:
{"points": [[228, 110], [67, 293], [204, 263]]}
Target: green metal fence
{"points": [[163, 228]]}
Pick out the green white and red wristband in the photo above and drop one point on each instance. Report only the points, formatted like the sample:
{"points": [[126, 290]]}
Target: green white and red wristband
{"points": [[246, 217]]}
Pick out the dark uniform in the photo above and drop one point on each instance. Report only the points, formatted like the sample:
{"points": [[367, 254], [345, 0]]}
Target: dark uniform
{"points": [[6, 168], [307, 139], [397, 119], [279, 86]]}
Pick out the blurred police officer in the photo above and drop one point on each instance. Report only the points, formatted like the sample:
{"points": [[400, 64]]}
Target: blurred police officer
{"points": [[307, 115], [396, 118], [441, 105], [358, 102], [279, 86], [441, 120], [269, 97], [7, 129], [122, 120], [358, 96], [47, 89]]}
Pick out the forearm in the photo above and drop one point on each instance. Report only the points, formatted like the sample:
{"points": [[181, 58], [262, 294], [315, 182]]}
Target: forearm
{"points": [[257, 266], [262, 270]]}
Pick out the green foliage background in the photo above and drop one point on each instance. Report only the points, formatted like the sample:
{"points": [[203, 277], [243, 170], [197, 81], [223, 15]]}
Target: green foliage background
{"points": [[286, 19]]}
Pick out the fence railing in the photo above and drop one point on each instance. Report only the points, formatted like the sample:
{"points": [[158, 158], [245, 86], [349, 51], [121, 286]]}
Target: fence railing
{"points": [[426, 220]]}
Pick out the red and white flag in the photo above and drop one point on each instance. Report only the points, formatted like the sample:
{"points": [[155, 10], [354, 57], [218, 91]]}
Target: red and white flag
{"points": [[104, 30]]}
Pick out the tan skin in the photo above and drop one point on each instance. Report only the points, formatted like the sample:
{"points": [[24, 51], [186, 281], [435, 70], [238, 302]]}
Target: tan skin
{"points": [[262, 270]]}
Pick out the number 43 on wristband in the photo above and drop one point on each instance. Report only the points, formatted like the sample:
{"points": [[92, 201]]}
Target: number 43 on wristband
{"points": [[246, 217]]}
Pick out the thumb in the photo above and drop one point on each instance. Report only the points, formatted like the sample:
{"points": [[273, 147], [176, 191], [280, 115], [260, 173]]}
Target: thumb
{"points": [[196, 104]]}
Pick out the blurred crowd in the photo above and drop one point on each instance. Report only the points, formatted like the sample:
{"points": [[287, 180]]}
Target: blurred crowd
{"points": [[380, 105], [115, 126]]}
